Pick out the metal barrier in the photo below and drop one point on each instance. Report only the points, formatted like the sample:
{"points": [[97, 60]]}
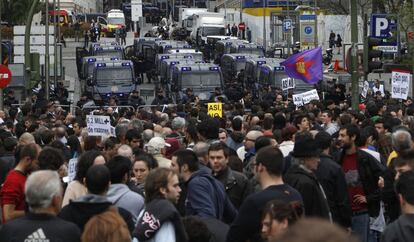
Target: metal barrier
{"points": [[72, 108], [93, 108], [164, 106]]}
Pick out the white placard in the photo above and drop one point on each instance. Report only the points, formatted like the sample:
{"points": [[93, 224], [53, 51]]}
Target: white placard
{"points": [[400, 84], [309, 96], [35, 30], [386, 48], [297, 99], [305, 97], [34, 40], [136, 10], [98, 125], [365, 89], [288, 83]]}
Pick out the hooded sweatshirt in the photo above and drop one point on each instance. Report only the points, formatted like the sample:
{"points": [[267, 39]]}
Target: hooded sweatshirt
{"points": [[80, 211], [121, 196], [401, 230]]}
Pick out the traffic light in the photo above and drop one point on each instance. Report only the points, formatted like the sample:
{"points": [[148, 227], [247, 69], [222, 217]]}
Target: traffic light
{"points": [[372, 56]]}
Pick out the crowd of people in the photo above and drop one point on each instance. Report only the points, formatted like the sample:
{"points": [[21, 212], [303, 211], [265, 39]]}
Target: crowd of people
{"points": [[264, 171]]}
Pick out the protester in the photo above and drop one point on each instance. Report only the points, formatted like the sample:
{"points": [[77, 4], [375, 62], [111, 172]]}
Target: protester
{"points": [[141, 167], [401, 229], [77, 188], [106, 227], [206, 196], [79, 211], [13, 203], [160, 220], [301, 176], [236, 183], [43, 192], [362, 172], [278, 216], [119, 193], [268, 172]]}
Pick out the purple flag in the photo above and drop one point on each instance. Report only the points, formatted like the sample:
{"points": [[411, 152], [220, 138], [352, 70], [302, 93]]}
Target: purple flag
{"points": [[306, 65]]}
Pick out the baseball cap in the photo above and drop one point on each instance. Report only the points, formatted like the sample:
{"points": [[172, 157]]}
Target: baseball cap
{"points": [[157, 143]]}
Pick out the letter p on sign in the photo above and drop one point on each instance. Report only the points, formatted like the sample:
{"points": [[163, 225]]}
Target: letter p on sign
{"points": [[381, 24]]}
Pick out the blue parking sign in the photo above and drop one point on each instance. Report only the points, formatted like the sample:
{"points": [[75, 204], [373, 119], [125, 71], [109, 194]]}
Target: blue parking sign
{"points": [[287, 25]]}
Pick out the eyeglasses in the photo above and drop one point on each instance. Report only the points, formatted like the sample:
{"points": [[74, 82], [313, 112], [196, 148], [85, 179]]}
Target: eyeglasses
{"points": [[247, 139]]}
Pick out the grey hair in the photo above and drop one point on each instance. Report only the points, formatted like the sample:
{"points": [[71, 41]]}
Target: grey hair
{"points": [[164, 117], [125, 150], [41, 187], [201, 149], [178, 123], [401, 140], [136, 124], [147, 135], [121, 129]]}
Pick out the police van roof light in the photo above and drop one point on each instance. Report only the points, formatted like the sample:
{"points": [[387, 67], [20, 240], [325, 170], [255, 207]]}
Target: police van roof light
{"points": [[242, 46], [261, 62], [214, 68], [163, 57], [279, 68], [91, 60], [101, 65], [185, 68], [114, 58], [240, 57], [126, 64]]}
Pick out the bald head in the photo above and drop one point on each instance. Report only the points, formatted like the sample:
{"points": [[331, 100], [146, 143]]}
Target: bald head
{"points": [[126, 151], [254, 134]]}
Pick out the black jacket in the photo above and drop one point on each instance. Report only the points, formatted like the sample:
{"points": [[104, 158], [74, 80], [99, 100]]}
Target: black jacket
{"points": [[308, 186], [80, 211], [236, 184], [44, 227], [247, 225], [369, 170], [332, 179]]}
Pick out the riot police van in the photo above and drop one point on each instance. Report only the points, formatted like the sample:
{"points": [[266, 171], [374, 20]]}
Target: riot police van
{"points": [[202, 78], [165, 67], [115, 51], [113, 78], [232, 64], [247, 48], [224, 47], [88, 66], [160, 57]]}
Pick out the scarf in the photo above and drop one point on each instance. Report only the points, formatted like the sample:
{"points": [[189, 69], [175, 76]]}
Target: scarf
{"points": [[155, 214]]}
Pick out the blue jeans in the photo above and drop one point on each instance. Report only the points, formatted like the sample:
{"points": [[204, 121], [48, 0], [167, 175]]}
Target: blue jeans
{"points": [[360, 226], [374, 236]]}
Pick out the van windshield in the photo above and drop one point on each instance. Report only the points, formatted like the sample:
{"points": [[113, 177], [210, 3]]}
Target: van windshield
{"points": [[112, 53], [201, 80], [116, 21], [213, 31], [109, 74]]}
